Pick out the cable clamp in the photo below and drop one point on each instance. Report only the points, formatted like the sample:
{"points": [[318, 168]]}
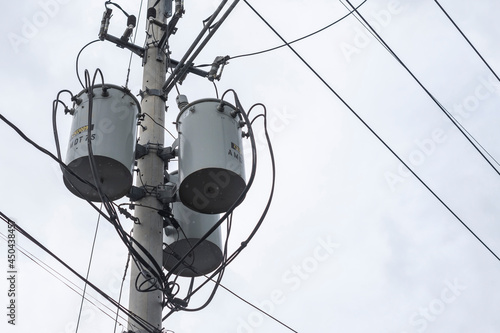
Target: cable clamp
{"points": [[153, 92]]}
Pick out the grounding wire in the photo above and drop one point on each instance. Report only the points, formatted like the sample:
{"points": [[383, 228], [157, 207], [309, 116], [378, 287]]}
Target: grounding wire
{"points": [[157, 123], [467, 39], [121, 289], [133, 41], [88, 271], [372, 131], [295, 40], [443, 109], [141, 322]]}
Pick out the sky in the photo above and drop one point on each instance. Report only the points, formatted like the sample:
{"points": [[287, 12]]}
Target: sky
{"points": [[353, 242]]}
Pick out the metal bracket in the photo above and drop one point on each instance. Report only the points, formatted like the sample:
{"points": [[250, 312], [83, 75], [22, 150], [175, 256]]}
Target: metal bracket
{"points": [[141, 151], [166, 193], [136, 193], [153, 92], [166, 154]]}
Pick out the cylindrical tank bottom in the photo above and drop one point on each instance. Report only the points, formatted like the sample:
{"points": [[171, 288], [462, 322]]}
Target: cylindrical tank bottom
{"points": [[211, 190], [118, 179], [203, 260]]}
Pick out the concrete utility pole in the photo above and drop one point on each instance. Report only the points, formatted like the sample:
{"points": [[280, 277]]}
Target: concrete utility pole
{"points": [[149, 233]]}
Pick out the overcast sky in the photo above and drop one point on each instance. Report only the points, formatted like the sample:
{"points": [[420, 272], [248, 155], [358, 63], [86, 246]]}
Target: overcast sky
{"points": [[353, 242]]}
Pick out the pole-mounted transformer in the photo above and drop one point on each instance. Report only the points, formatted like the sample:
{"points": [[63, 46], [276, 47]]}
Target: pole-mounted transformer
{"points": [[113, 134], [211, 165]]}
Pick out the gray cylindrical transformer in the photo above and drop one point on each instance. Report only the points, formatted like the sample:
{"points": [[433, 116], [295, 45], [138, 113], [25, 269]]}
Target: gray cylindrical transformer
{"points": [[193, 225], [113, 134], [211, 166]]}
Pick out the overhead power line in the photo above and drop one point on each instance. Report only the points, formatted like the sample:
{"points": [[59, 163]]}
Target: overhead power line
{"points": [[370, 129], [68, 283], [138, 320], [467, 39], [295, 40], [434, 99], [256, 307]]}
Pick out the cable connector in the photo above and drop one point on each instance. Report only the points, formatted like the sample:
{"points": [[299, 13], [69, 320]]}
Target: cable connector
{"points": [[179, 303], [219, 62], [103, 31], [168, 218], [125, 212]]}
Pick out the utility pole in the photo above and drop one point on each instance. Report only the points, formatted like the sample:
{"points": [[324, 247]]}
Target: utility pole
{"points": [[149, 233]]}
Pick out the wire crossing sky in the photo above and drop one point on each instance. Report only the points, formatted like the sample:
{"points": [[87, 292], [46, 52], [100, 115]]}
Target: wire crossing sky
{"points": [[353, 242]]}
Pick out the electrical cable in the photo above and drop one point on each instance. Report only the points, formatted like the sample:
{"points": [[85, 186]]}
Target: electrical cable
{"points": [[157, 271], [443, 109], [117, 6], [112, 218], [157, 123], [467, 39], [295, 40], [140, 321], [68, 283], [371, 130], [88, 271], [78, 57], [256, 307], [221, 273]]}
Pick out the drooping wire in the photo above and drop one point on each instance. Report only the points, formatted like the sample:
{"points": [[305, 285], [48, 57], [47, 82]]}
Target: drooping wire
{"points": [[441, 107], [88, 272], [295, 40], [467, 39], [372, 131], [77, 59]]}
